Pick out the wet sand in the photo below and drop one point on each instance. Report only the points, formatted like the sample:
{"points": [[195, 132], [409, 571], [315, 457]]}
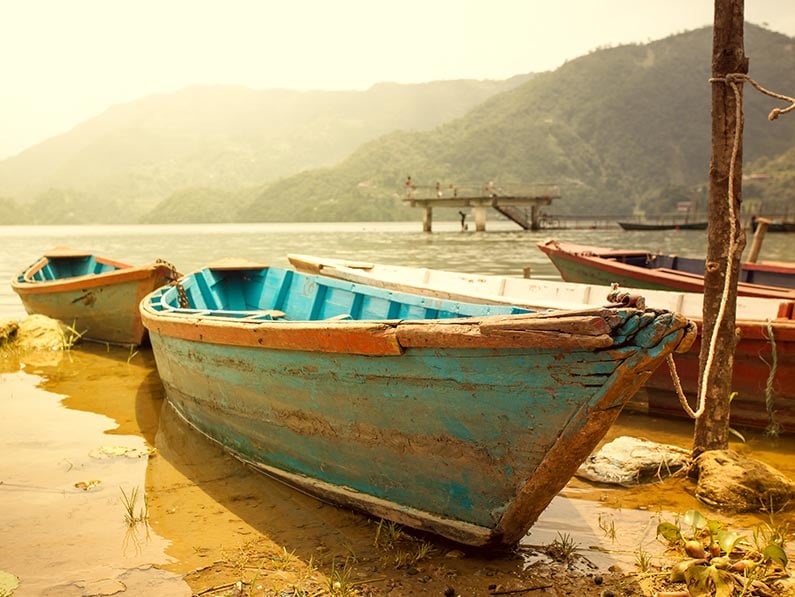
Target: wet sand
{"points": [[98, 414]]}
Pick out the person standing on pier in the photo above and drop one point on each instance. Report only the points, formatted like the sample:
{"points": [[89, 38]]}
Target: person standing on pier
{"points": [[409, 187]]}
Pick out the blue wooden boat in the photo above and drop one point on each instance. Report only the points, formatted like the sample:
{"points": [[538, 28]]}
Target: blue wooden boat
{"points": [[96, 296], [457, 418]]}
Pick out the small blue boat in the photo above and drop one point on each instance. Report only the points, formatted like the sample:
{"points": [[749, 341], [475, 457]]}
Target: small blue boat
{"points": [[460, 419], [95, 295]]}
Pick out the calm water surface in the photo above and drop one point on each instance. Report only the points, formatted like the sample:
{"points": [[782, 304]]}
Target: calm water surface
{"points": [[95, 413], [503, 249]]}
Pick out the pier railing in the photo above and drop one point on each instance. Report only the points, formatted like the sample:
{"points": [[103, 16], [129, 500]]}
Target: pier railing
{"points": [[508, 199], [449, 190]]}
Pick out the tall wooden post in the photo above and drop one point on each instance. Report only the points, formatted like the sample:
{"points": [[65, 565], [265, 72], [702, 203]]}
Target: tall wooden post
{"points": [[535, 211], [728, 57], [427, 219], [480, 217]]}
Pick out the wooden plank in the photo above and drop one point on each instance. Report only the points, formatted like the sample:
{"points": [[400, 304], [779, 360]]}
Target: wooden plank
{"points": [[410, 335]]}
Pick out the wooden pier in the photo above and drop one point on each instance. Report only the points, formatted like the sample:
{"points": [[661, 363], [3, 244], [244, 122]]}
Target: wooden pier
{"points": [[512, 202]]}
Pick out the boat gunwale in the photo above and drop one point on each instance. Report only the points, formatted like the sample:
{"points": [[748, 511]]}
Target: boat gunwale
{"points": [[129, 273]]}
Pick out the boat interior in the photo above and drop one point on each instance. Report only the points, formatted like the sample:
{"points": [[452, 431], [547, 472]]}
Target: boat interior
{"points": [[750, 273], [280, 294], [58, 268]]}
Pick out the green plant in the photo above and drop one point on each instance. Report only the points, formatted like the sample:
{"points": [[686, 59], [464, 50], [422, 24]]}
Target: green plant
{"points": [[387, 534], [721, 563], [339, 580], [643, 559], [129, 502], [562, 548], [608, 526], [71, 336]]}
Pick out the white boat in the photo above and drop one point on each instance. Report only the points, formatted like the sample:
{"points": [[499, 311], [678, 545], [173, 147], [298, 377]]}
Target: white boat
{"points": [[766, 325]]}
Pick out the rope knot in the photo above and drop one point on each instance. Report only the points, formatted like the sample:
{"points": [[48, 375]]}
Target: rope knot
{"points": [[732, 78]]}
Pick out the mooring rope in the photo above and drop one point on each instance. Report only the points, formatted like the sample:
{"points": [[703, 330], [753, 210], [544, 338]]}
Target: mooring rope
{"points": [[174, 277], [731, 80], [773, 426]]}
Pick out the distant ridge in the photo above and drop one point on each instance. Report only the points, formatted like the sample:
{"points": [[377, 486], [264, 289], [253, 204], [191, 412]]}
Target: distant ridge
{"points": [[621, 129], [222, 137]]}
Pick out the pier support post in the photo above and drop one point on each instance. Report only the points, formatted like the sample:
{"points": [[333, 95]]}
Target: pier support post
{"points": [[480, 218], [427, 218], [534, 214]]}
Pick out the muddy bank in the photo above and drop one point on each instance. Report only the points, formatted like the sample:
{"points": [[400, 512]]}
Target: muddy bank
{"points": [[212, 522]]}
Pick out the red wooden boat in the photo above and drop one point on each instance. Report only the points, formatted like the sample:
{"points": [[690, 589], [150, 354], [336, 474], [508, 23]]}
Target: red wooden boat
{"points": [[764, 360], [644, 269]]}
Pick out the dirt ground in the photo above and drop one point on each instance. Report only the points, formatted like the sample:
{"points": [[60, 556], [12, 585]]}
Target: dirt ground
{"points": [[260, 568]]}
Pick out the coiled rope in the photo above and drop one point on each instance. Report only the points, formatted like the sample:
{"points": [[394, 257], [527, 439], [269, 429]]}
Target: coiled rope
{"points": [[730, 79]]}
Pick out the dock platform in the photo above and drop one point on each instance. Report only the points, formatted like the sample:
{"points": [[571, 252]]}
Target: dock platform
{"points": [[511, 201]]}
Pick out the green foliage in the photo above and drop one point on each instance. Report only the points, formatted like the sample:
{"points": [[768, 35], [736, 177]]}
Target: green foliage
{"points": [[619, 129], [717, 562], [224, 137]]}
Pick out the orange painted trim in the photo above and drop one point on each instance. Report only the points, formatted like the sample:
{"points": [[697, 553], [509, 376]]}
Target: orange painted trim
{"points": [[128, 274]]}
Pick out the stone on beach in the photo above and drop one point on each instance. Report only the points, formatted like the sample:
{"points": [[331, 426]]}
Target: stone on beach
{"points": [[39, 332], [632, 461], [738, 483]]}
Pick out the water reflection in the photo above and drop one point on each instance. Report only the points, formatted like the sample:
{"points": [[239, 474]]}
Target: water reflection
{"points": [[58, 537]]}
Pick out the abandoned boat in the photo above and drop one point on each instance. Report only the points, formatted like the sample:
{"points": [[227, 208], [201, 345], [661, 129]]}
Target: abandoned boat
{"points": [[456, 418], [98, 297]]}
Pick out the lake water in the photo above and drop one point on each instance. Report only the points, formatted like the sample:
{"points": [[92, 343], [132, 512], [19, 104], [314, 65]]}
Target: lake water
{"points": [[95, 413], [502, 249]]}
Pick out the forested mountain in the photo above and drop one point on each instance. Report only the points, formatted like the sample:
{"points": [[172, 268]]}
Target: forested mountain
{"points": [[124, 161], [619, 128]]}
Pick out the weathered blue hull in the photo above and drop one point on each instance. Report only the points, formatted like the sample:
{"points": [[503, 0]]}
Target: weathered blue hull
{"points": [[468, 428], [97, 297]]}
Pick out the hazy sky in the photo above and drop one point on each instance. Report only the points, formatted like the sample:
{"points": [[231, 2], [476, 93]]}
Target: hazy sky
{"points": [[64, 61]]}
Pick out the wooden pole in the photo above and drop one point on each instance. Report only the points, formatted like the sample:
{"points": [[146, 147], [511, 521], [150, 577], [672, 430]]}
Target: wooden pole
{"points": [[720, 297], [427, 219], [759, 236]]}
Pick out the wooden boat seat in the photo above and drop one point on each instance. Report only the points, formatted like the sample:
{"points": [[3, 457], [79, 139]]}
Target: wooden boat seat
{"points": [[340, 317], [267, 315]]}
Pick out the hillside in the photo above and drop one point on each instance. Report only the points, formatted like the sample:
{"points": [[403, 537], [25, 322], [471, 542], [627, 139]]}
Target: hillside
{"points": [[619, 128], [134, 155], [769, 187]]}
